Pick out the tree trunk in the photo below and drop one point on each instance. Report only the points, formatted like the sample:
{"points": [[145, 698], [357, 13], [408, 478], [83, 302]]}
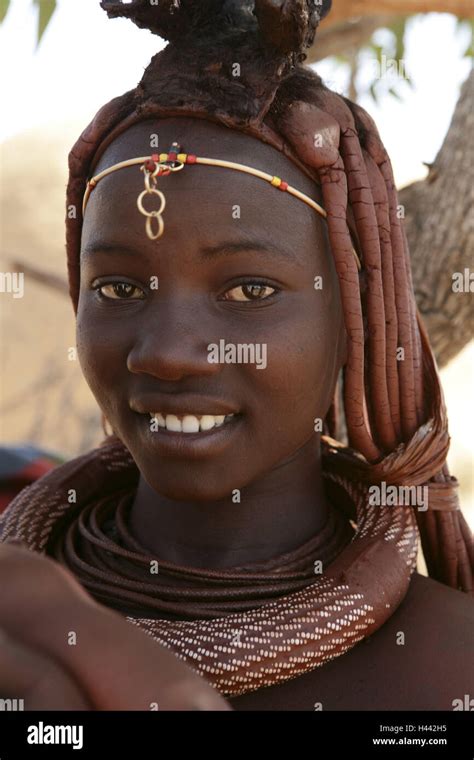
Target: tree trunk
{"points": [[440, 231]]}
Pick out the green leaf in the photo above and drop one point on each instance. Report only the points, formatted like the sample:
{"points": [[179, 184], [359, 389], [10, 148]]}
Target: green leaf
{"points": [[461, 20], [341, 58], [46, 10], [373, 92], [378, 50], [399, 28], [3, 9], [467, 23], [407, 78], [469, 52], [394, 92]]}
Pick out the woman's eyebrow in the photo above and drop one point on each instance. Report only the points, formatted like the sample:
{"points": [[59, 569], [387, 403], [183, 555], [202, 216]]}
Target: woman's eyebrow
{"points": [[250, 244], [226, 248], [109, 248]]}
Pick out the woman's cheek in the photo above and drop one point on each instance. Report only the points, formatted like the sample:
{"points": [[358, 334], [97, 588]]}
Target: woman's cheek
{"points": [[95, 360], [314, 371]]}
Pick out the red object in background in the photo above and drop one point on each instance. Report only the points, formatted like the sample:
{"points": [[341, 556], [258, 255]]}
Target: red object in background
{"points": [[21, 465]]}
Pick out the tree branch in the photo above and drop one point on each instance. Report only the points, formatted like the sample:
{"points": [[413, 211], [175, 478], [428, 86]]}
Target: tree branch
{"points": [[52, 281], [342, 10], [344, 36]]}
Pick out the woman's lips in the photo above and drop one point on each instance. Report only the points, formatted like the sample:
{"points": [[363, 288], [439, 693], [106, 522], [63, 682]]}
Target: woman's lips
{"points": [[192, 444], [189, 423]]}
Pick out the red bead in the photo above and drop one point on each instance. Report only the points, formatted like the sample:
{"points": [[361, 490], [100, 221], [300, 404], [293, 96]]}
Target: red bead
{"points": [[191, 158], [283, 185], [172, 156], [150, 166], [155, 157]]}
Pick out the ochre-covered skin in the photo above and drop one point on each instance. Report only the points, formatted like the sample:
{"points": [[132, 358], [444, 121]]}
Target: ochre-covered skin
{"points": [[286, 105], [179, 509]]}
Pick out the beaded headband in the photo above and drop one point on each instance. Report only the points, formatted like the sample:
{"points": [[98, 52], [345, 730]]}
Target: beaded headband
{"points": [[161, 164]]}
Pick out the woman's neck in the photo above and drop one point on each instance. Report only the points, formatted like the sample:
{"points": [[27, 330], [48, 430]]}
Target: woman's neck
{"points": [[275, 514]]}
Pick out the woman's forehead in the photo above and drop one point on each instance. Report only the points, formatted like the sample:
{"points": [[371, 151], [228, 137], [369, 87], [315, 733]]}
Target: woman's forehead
{"points": [[203, 137], [204, 201], [200, 211]]}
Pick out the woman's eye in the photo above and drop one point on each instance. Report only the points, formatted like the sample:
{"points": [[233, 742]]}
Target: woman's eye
{"points": [[120, 291], [249, 291]]}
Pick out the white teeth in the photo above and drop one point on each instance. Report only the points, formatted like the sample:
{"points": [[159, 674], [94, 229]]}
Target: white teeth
{"points": [[173, 423], [190, 423], [159, 418], [207, 422]]}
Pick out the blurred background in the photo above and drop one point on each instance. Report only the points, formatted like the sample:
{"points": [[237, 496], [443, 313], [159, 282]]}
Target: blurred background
{"points": [[61, 61]]}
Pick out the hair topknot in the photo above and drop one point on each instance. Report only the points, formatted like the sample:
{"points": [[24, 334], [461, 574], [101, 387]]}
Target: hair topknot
{"points": [[228, 56], [287, 26]]}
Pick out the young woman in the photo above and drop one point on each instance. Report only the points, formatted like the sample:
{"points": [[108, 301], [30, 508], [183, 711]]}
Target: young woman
{"points": [[235, 255]]}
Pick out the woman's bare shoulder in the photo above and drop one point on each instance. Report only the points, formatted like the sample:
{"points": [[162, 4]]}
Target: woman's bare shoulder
{"points": [[428, 646], [430, 603], [424, 654], [422, 658]]}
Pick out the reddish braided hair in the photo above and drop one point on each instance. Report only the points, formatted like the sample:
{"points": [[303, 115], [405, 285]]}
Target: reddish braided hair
{"points": [[393, 409]]}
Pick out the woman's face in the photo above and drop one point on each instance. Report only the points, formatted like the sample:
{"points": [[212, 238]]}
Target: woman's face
{"points": [[235, 267]]}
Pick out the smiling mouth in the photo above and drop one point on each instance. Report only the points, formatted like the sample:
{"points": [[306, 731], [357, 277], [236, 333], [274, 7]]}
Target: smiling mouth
{"points": [[190, 423]]}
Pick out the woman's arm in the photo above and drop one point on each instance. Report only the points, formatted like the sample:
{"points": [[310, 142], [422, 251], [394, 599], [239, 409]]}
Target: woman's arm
{"points": [[93, 658]]}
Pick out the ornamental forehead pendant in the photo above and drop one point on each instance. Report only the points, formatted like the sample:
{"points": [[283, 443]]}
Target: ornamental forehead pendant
{"points": [[158, 165]]}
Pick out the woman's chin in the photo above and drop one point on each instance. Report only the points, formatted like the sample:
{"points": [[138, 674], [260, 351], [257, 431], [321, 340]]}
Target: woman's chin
{"points": [[188, 489]]}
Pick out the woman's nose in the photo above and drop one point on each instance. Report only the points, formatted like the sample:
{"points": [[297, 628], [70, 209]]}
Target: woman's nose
{"points": [[173, 343]]}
